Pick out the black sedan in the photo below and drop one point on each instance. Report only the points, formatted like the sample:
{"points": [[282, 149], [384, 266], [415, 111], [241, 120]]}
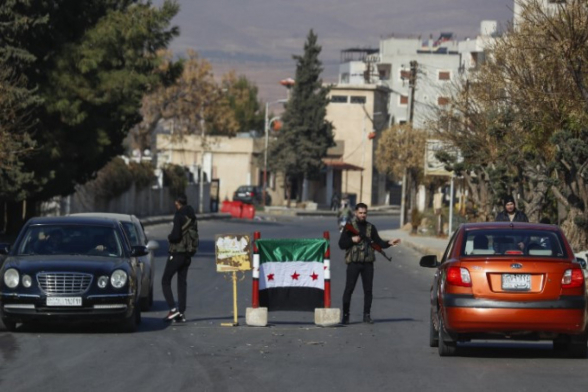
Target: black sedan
{"points": [[250, 194], [71, 268]]}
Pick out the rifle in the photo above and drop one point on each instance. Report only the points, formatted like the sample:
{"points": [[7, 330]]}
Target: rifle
{"points": [[349, 227]]}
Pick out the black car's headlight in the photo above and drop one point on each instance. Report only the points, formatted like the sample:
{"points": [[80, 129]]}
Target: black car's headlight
{"points": [[103, 281], [27, 281], [11, 278], [118, 279]]}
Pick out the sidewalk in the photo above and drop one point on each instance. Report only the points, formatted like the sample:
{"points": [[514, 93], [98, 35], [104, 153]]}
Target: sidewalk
{"points": [[422, 244]]}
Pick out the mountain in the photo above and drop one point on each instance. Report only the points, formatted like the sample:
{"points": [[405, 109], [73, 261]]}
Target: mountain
{"points": [[258, 37]]}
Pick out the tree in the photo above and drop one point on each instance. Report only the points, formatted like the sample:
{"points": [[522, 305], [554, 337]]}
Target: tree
{"points": [[401, 152], [15, 139], [242, 96], [88, 62], [528, 107], [305, 136], [193, 101]]}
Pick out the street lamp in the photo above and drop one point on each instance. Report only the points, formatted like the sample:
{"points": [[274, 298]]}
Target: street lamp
{"points": [[267, 123]]}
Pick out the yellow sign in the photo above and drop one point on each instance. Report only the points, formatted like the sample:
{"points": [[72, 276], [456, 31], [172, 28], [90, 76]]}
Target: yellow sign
{"points": [[233, 252]]}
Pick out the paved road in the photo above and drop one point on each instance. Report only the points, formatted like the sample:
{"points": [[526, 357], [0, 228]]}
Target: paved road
{"points": [[290, 355]]}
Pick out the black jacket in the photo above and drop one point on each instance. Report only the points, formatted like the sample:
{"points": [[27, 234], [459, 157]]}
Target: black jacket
{"points": [[519, 217], [345, 241], [179, 219]]}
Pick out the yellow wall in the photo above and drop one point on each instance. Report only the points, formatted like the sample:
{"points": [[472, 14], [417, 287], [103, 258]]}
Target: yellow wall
{"points": [[353, 126]]}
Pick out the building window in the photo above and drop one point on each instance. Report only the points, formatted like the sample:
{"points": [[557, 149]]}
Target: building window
{"points": [[401, 122], [357, 99], [442, 101], [444, 75], [403, 100], [339, 98]]}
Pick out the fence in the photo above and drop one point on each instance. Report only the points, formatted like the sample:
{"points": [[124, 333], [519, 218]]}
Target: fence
{"points": [[143, 202]]}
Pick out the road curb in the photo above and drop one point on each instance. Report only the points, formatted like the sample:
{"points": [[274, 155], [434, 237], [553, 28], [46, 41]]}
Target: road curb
{"points": [[155, 220]]}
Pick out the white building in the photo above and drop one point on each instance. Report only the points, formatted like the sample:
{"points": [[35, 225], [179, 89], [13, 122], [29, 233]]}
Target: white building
{"points": [[473, 52], [548, 5]]}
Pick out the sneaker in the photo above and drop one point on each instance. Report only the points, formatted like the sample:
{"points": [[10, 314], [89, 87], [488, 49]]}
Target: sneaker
{"points": [[180, 318], [367, 319], [172, 315], [345, 320]]}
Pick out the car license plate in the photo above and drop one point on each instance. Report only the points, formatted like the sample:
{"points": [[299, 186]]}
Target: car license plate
{"points": [[516, 282], [64, 301]]}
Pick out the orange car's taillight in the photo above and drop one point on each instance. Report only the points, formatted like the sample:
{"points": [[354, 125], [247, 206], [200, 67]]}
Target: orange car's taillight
{"points": [[572, 278], [459, 276]]}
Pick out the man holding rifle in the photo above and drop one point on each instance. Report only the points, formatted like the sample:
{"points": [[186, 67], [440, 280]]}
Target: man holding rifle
{"points": [[360, 240]]}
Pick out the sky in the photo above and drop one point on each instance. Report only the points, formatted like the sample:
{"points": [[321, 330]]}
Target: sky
{"points": [[257, 38]]}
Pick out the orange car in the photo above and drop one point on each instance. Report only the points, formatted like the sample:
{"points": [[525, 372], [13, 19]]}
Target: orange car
{"points": [[508, 280]]}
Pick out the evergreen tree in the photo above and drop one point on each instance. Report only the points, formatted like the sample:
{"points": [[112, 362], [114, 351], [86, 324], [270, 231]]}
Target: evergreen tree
{"points": [[305, 136], [88, 64]]}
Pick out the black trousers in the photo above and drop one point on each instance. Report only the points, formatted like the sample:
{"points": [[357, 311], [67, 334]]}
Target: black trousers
{"points": [[176, 263], [354, 270]]}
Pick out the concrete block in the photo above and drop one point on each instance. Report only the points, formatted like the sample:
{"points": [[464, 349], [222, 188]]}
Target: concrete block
{"points": [[327, 317], [256, 317]]}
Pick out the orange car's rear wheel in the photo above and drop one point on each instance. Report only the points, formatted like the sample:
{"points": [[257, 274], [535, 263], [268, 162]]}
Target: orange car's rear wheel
{"points": [[433, 333], [578, 346], [447, 348]]}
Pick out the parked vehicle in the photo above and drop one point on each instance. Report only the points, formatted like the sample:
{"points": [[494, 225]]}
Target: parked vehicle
{"points": [[135, 232], [502, 280], [250, 194], [71, 268]]}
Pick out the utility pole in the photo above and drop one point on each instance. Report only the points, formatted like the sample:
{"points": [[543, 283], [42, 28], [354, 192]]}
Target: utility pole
{"points": [[406, 176], [201, 177]]}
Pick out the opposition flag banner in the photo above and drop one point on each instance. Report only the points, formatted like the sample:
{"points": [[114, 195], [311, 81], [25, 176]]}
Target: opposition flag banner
{"points": [[291, 273]]}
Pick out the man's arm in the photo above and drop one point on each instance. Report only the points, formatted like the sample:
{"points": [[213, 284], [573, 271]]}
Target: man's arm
{"points": [[176, 234], [376, 238], [345, 241]]}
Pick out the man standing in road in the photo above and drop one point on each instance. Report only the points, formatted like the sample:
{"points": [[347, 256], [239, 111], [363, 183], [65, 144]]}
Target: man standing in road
{"points": [[360, 257], [179, 259], [510, 212]]}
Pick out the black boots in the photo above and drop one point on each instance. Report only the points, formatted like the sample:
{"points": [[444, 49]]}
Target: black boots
{"points": [[367, 319], [345, 319]]}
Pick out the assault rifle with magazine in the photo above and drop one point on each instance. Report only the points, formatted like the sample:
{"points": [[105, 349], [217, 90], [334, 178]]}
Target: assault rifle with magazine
{"points": [[349, 227]]}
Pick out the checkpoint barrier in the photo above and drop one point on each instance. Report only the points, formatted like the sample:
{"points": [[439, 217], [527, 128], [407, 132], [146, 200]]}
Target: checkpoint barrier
{"points": [[235, 209], [308, 270], [226, 206], [238, 209], [248, 211]]}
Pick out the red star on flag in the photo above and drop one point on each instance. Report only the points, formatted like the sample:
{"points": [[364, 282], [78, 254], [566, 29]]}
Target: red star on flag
{"points": [[295, 275], [270, 277], [314, 276]]}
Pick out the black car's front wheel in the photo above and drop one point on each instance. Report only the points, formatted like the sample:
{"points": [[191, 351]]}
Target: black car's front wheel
{"points": [[131, 324], [9, 325]]}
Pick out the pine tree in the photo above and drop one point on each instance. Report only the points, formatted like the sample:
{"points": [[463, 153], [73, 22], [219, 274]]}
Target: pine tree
{"points": [[86, 64], [305, 137]]}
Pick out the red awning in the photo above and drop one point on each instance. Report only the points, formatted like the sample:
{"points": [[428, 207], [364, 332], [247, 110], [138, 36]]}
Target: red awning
{"points": [[340, 165]]}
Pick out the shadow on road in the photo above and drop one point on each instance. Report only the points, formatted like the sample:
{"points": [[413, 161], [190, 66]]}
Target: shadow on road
{"points": [[535, 350]]}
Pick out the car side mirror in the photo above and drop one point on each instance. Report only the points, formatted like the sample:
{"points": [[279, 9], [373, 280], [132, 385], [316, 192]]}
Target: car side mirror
{"points": [[582, 262], [4, 248], [152, 245], [138, 251], [429, 261]]}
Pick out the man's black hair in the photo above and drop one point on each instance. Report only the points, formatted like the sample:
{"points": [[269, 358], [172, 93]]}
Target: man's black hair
{"points": [[182, 199], [361, 205], [509, 199]]}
